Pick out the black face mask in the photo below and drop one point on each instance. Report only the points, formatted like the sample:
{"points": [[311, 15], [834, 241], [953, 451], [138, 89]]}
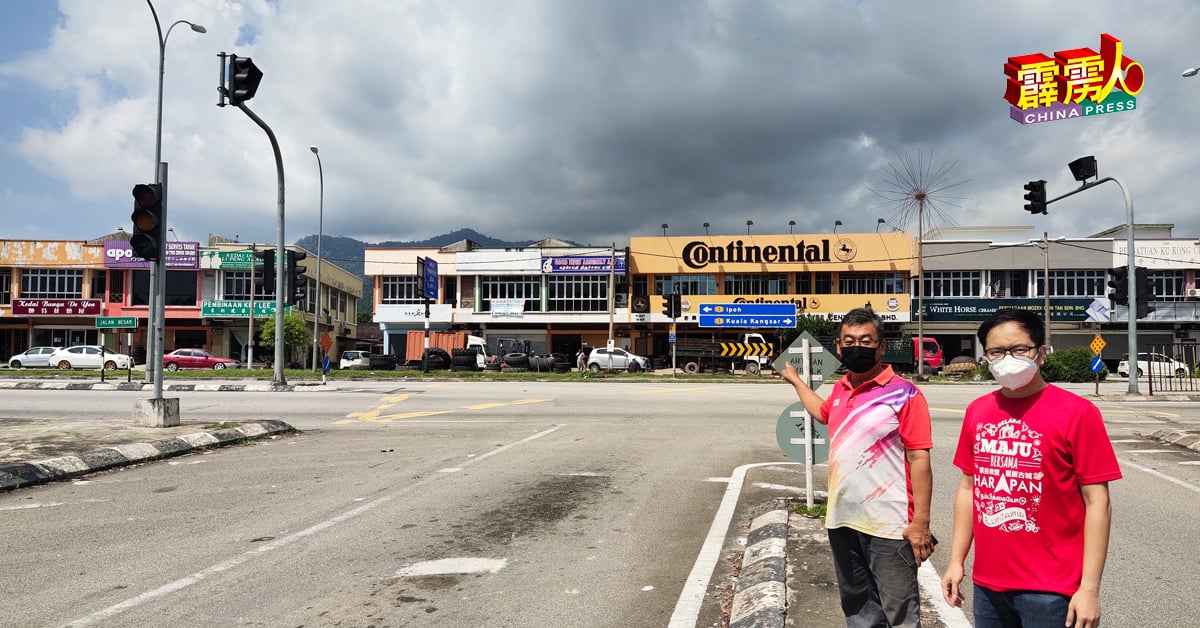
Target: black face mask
{"points": [[859, 359]]}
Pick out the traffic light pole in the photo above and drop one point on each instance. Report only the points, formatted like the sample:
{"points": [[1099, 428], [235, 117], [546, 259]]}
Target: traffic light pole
{"points": [[158, 294], [279, 379], [1131, 256]]}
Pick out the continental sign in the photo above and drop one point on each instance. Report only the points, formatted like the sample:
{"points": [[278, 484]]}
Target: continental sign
{"points": [[773, 253]]}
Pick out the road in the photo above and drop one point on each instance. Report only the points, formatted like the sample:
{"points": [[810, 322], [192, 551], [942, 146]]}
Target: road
{"points": [[497, 504]]}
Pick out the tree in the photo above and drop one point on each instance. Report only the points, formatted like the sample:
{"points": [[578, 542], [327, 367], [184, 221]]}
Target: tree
{"points": [[296, 333]]}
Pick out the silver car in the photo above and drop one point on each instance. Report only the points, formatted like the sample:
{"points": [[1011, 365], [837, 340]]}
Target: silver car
{"points": [[34, 357], [88, 357]]}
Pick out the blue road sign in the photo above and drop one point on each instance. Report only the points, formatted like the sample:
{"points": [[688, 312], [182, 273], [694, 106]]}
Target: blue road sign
{"points": [[739, 320], [325, 364], [749, 309], [1097, 364], [431, 279], [671, 338]]}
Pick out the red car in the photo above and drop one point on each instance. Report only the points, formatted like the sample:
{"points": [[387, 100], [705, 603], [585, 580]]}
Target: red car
{"points": [[196, 359]]}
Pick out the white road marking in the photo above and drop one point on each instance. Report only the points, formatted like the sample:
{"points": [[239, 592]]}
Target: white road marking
{"points": [[931, 589], [52, 504], [687, 608], [1162, 475], [1128, 440], [1192, 462], [717, 480], [452, 565], [1149, 451], [237, 560]]}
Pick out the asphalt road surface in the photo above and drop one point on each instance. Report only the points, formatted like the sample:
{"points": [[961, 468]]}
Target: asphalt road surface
{"points": [[487, 504]]}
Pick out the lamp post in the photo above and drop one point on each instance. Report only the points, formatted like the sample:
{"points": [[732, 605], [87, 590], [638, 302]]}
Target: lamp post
{"points": [[1044, 245], [156, 312], [320, 236]]}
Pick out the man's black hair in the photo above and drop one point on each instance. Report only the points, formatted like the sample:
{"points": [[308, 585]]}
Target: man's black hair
{"points": [[862, 316], [1030, 322]]}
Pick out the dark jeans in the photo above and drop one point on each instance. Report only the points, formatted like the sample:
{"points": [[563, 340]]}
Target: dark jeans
{"points": [[877, 579], [1019, 609]]}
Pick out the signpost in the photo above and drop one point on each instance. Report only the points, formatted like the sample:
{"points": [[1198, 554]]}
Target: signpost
{"points": [[795, 426], [116, 322], [1097, 346], [236, 309]]}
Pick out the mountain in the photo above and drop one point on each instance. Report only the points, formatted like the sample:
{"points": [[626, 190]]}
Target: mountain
{"points": [[347, 253]]}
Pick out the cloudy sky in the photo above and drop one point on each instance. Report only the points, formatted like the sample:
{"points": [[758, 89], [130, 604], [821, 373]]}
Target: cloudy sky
{"points": [[588, 120]]}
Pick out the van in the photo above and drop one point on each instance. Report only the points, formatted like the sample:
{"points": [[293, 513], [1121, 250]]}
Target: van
{"points": [[354, 360]]}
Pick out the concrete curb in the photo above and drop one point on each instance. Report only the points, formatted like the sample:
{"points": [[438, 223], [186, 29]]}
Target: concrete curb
{"points": [[139, 386], [23, 474], [1184, 438], [760, 599]]}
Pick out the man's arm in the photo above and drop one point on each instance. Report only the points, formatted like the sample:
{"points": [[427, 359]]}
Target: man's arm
{"points": [[1084, 610], [812, 401], [960, 542], [917, 532]]}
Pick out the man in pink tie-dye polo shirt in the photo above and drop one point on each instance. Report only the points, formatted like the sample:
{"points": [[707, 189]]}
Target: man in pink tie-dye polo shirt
{"points": [[880, 481]]}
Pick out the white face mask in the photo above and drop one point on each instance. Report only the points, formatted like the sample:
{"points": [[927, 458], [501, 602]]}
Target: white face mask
{"points": [[1012, 372]]}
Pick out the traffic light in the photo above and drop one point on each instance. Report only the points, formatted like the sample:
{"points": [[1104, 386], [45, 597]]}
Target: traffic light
{"points": [[1141, 276], [147, 217], [1036, 195], [676, 305], [244, 78], [1118, 280], [668, 300], [268, 269], [295, 290]]}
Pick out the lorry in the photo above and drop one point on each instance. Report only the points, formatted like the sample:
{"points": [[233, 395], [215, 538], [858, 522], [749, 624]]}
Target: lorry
{"points": [[456, 350], [750, 353], [902, 355]]}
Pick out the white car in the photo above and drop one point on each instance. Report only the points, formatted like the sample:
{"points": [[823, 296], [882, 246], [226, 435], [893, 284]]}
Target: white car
{"points": [[1155, 363], [354, 360], [34, 357], [88, 357], [617, 359]]}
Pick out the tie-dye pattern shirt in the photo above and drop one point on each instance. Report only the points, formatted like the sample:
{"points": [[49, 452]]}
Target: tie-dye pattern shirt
{"points": [[870, 429]]}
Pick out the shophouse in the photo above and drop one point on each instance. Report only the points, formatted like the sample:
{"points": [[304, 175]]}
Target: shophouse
{"points": [[61, 293]]}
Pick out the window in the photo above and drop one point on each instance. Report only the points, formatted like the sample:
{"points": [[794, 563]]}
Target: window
{"points": [[99, 279], [1007, 283], [1075, 283], [756, 284], [116, 286], [803, 283], [399, 290], [823, 283], [528, 288], [685, 284], [953, 283], [237, 286], [180, 292], [1166, 285], [870, 283], [5, 285], [577, 293], [51, 283]]}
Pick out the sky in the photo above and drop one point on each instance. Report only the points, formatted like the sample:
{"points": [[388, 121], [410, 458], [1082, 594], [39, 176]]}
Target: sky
{"points": [[587, 120]]}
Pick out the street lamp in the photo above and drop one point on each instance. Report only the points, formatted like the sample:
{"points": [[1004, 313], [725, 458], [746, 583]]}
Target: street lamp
{"points": [[749, 223], [879, 223], [156, 312], [664, 228], [1044, 245], [836, 224], [706, 226], [791, 226], [320, 236], [1191, 71]]}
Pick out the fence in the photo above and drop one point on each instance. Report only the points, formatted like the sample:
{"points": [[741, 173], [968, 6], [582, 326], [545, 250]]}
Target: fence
{"points": [[1169, 368]]}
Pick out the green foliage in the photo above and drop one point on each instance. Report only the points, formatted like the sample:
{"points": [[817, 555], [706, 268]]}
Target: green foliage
{"points": [[801, 506], [296, 332], [1071, 365], [822, 329]]}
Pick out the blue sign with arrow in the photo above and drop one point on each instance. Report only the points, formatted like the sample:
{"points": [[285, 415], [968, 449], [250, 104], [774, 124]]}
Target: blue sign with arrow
{"points": [[710, 320], [749, 309], [1097, 364]]}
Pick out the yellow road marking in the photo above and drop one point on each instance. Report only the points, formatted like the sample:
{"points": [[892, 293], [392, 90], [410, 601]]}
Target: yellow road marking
{"points": [[525, 402], [1137, 421], [390, 417], [485, 406], [394, 399], [951, 410]]}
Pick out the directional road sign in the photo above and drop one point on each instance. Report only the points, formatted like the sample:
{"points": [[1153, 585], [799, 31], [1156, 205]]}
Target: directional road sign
{"points": [[1097, 345], [789, 432], [1097, 364], [749, 309], [741, 320], [822, 361]]}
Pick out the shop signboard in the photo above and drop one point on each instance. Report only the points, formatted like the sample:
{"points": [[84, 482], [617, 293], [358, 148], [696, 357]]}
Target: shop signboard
{"points": [[975, 310], [583, 264], [56, 307], [236, 309], [177, 255]]}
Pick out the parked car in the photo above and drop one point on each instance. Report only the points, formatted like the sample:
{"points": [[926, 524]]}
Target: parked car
{"points": [[1157, 364], [88, 357], [355, 360], [197, 359], [617, 359], [33, 357]]}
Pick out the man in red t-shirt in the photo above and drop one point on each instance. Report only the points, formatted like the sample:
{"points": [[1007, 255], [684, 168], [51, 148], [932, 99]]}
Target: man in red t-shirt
{"points": [[1036, 463]]}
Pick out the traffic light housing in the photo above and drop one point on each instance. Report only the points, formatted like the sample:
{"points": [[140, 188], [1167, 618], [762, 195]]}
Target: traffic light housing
{"points": [[147, 217], [244, 78], [667, 309], [1141, 275], [295, 290], [268, 269], [1035, 193], [675, 305], [1118, 280]]}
